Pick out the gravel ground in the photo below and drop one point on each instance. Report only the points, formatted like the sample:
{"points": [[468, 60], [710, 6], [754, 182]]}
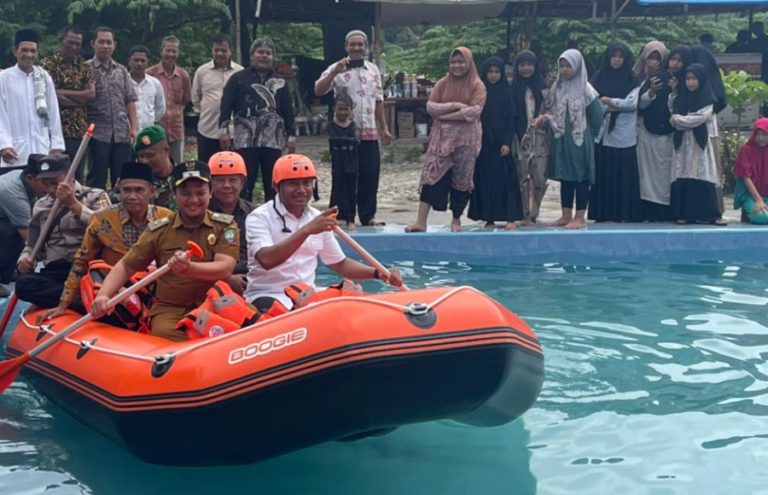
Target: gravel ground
{"points": [[398, 197]]}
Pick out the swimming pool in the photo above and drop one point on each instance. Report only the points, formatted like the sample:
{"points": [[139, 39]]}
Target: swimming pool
{"points": [[656, 382]]}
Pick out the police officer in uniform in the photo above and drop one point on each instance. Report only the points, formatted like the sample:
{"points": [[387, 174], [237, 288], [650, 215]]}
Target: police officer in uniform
{"points": [[78, 203], [165, 240]]}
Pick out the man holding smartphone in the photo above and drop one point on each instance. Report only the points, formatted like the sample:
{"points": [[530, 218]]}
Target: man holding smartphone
{"points": [[361, 80]]}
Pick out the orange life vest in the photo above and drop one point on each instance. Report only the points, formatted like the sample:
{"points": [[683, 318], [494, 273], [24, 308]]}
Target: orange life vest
{"points": [[133, 312], [223, 311], [302, 294]]}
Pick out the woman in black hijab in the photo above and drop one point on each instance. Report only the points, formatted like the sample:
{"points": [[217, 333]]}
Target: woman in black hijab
{"points": [[694, 171], [531, 146], [615, 195], [654, 134], [496, 197], [704, 57]]}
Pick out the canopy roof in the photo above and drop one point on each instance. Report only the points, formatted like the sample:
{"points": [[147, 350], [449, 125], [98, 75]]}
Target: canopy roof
{"points": [[405, 12], [604, 9]]}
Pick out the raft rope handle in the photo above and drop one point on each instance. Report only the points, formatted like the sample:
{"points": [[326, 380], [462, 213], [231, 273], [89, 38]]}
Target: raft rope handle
{"points": [[87, 343], [398, 307], [164, 357]]}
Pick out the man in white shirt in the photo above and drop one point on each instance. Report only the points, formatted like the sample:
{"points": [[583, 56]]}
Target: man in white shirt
{"points": [[151, 104], [361, 80], [29, 111], [207, 88], [286, 235]]}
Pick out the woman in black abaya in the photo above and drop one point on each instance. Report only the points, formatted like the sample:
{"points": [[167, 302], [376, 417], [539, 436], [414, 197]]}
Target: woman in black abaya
{"points": [[615, 195], [496, 197]]}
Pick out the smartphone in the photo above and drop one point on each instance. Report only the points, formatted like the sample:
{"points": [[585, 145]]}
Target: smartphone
{"points": [[355, 63]]}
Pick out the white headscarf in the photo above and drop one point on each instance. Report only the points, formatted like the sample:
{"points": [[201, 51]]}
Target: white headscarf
{"points": [[572, 95]]}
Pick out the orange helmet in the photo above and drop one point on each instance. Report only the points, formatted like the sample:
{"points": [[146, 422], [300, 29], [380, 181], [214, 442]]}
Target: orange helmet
{"points": [[227, 163], [291, 167]]}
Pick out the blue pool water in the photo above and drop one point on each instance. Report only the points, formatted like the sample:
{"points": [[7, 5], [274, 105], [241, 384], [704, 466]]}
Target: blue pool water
{"points": [[656, 383]]}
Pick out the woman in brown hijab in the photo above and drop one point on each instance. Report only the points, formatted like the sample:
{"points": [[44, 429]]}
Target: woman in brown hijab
{"points": [[448, 165]]}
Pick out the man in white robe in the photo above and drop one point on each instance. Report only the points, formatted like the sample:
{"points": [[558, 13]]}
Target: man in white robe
{"points": [[29, 111]]}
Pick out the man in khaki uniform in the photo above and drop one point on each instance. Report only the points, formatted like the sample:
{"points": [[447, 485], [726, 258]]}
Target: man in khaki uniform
{"points": [[165, 240]]}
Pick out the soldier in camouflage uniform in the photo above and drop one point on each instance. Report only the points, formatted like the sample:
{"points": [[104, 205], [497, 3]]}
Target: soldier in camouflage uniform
{"points": [[151, 147]]}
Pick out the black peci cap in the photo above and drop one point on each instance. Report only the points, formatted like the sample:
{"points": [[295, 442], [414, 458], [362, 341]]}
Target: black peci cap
{"points": [[136, 170]]}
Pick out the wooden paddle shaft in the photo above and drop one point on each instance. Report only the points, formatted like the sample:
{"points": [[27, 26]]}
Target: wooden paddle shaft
{"points": [[48, 225], [194, 250], [364, 254]]}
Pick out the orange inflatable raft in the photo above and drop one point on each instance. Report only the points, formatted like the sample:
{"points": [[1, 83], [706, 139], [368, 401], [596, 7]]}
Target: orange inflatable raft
{"points": [[340, 369]]}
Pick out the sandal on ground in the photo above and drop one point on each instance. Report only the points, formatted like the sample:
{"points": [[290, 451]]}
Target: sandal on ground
{"points": [[376, 223], [720, 222]]}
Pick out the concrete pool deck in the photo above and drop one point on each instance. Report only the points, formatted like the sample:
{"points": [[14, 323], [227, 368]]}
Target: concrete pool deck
{"points": [[659, 242]]}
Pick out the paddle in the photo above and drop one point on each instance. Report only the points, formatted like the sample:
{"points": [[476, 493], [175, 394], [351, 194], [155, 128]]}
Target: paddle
{"points": [[46, 230], [10, 367], [364, 254], [8, 312], [48, 225]]}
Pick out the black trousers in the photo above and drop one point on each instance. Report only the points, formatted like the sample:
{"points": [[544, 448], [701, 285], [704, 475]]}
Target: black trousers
{"points": [[438, 194], [106, 157], [11, 245], [206, 148], [259, 159], [70, 148], [44, 288], [344, 194], [368, 180], [580, 189]]}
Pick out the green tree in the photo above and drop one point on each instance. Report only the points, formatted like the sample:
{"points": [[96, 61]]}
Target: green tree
{"points": [[424, 49], [743, 91], [295, 39], [147, 21]]}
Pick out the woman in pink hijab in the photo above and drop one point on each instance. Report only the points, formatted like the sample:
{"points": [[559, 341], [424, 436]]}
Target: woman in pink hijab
{"points": [[448, 166], [751, 171]]}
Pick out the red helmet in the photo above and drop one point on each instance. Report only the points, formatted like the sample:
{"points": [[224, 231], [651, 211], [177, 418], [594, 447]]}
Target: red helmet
{"points": [[227, 163], [291, 167]]}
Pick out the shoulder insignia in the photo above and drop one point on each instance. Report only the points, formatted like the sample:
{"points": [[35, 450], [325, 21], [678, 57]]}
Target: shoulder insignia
{"points": [[160, 222], [222, 218]]}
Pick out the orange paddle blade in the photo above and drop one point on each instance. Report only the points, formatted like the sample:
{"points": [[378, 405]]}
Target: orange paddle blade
{"points": [[10, 368]]}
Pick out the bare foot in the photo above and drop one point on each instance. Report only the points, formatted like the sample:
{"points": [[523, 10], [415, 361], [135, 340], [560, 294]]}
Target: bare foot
{"points": [[414, 227], [527, 223], [350, 226], [510, 226], [456, 225], [561, 222], [490, 225], [575, 224]]}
